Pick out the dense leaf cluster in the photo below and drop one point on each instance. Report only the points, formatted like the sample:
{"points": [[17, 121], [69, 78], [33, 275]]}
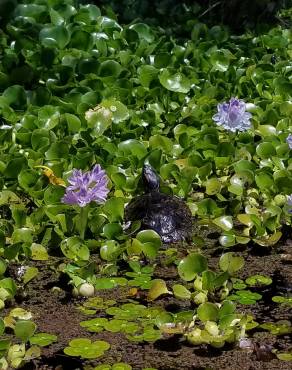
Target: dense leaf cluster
{"points": [[77, 88]]}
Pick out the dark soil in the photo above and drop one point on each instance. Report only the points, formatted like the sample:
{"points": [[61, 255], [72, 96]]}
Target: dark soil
{"points": [[54, 311]]}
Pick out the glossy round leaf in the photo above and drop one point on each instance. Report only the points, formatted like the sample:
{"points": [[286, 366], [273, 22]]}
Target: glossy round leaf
{"points": [[144, 31], [54, 36], [225, 222], [230, 263], [266, 150], [109, 68], [110, 250], [191, 265], [149, 236], [176, 82], [24, 329]]}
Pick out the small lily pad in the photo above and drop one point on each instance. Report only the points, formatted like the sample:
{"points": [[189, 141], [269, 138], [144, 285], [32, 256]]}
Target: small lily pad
{"points": [[258, 280], [43, 339], [84, 348], [230, 263]]}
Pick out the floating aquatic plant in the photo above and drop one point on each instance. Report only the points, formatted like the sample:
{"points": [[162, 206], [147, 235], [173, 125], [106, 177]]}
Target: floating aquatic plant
{"points": [[233, 116], [84, 348]]}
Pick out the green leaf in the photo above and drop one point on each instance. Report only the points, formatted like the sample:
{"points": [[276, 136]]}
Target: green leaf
{"points": [[30, 273], [2, 327], [191, 265], [73, 123], [284, 356], [281, 299], [121, 366], [181, 292], [43, 339], [112, 230], [150, 242], [213, 186], [75, 249], [158, 288], [114, 209], [264, 181], [54, 36], [225, 222], [38, 252], [144, 31], [132, 147], [230, 263], [57, 150], [3, 266], [24, 329], [24, 235], [118, 110], [110, 250], [15, 96], [220, 60], [147, 74], [208, 312], [258, 280], [109, 68], [266, 150], [94, 325], [176, 82]]}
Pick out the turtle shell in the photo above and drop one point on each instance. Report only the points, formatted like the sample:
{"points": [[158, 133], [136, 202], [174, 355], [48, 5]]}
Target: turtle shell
{"points": [[168, 215]]}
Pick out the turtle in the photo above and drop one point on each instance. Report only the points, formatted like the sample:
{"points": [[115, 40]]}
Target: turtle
{"points": [[166, 214]]}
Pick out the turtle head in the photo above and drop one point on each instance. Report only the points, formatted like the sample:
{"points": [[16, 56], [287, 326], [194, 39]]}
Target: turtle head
{"points": [[150, 178]]}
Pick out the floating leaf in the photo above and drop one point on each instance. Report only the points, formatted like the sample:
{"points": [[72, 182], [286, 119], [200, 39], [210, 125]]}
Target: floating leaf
{"points": [[39, 252], [24, 329], [230, 263], [191, 265], [181, 292], [174, 81], [43, 339], [55, 36], [84, 348], [258, 280], [157, 289], [30, 273], [225, 222], [208, 312]]}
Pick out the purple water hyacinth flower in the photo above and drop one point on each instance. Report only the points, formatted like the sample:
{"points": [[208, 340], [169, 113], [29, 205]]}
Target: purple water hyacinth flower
{"points": [[289, 140], [86, 187], [233, 116], [289, 203]]}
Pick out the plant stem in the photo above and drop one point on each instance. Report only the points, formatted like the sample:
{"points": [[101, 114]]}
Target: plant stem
{"points": [[83, 220]]}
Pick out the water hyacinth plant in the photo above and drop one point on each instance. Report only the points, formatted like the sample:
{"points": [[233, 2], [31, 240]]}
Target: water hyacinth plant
{"points": [[233, 116], [84, 188]]}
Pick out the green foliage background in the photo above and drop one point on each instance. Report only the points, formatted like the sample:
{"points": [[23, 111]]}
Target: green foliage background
{"points": [[81, 85]]}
